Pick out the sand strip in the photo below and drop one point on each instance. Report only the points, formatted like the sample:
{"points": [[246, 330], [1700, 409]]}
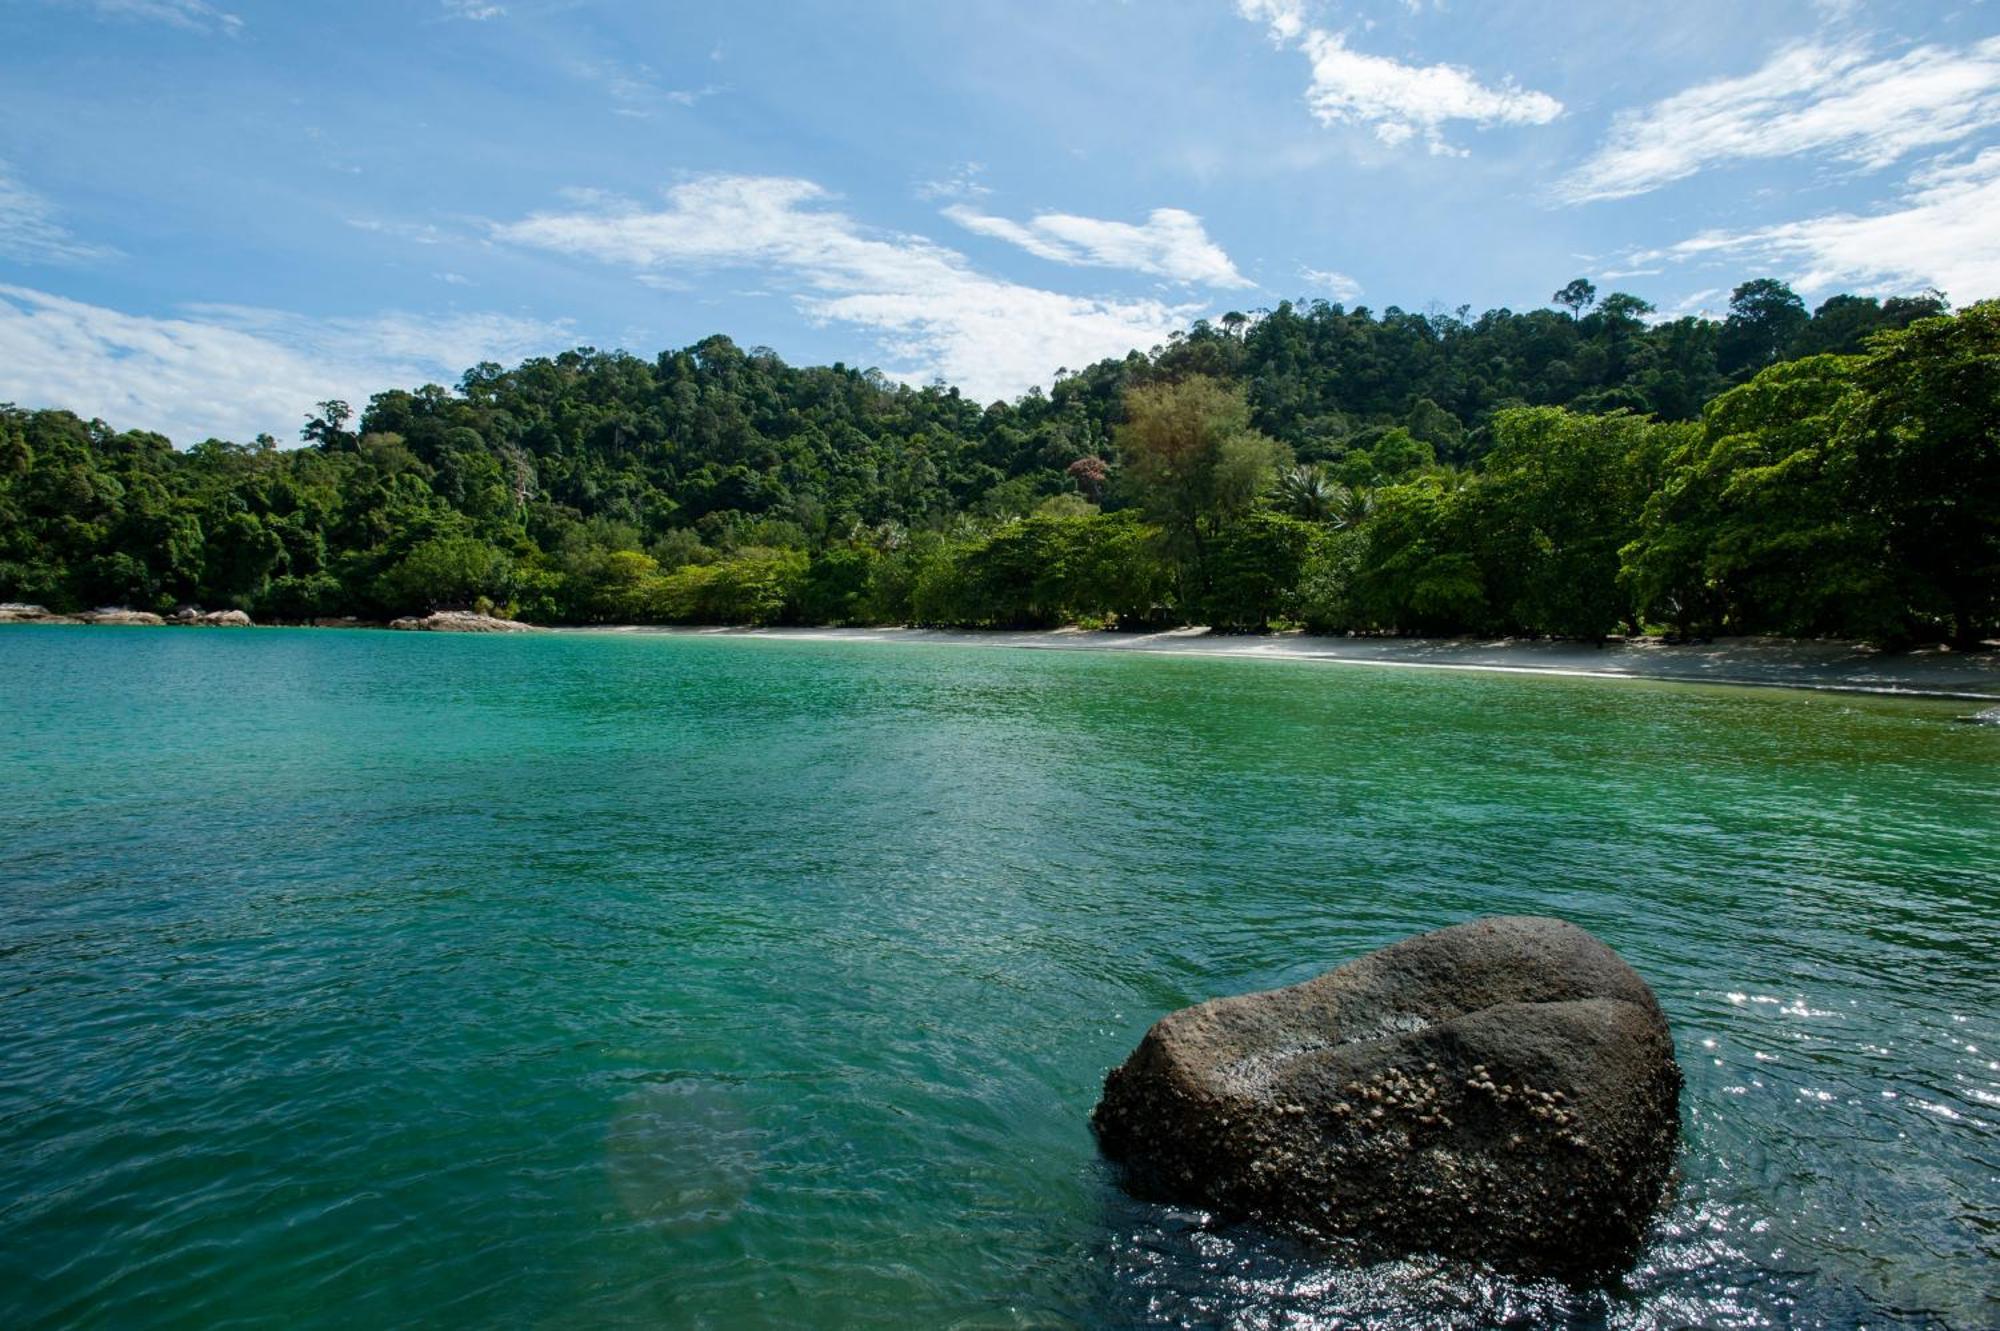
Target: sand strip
{"points": [[1758, 662]]}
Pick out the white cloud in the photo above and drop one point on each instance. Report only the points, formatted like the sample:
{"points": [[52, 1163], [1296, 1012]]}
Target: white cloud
{"points": [[1335, 284], [927, 308], [962, 182], [1397, 101], [420, 233], [194, 15], [476, 10], [1942, 233], [1807, 98], [1285, 18], [635, 90], [1172, 243], [233, 371], [30, 231]]}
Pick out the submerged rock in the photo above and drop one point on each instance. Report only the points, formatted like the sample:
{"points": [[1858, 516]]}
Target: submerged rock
{"points": [[1503, 1091], [683, 1155], [461, 621]]}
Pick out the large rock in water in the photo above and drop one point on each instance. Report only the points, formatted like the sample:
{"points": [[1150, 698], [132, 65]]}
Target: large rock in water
{"points": [[1503, 1090]]}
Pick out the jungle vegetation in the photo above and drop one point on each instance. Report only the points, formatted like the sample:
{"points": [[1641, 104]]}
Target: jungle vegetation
{"points": [[1571, 472]]}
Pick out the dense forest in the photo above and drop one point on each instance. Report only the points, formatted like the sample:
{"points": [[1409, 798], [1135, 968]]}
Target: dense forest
{"points": [[1574, 471]]}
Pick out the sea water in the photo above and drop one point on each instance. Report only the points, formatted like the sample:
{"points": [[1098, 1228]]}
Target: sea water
{"points": [[373, 979]]}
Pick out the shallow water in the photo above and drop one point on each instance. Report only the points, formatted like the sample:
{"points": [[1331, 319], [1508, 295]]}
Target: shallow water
{"points": [[567, 981]]}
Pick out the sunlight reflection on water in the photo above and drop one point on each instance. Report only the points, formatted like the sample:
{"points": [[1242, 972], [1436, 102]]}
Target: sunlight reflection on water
{"points": [[584, 981]]}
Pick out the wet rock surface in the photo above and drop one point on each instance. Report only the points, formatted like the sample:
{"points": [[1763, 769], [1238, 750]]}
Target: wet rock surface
{"points": [[1503, 1091]]}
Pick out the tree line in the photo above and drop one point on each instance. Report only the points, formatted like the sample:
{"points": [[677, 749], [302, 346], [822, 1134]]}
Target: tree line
{"points": [[1571, 473]]}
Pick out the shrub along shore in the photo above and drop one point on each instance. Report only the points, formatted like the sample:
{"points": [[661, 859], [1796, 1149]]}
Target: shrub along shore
{"points": [[1541, 474]]}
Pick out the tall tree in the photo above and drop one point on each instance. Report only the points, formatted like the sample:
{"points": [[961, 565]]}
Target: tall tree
{"points": [[1765, 317], [1189, 453], [1753, 527], [1576, 296], [1559, 496], [1925, 433]]}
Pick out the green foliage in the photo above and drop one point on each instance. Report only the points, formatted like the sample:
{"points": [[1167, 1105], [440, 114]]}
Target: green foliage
{"points": [[756, 585], [447, 571], [1765, 319], [1039, 572], [1925, 438], [835, 588], [1559, 496], [1577, 296], [1419, 572], [1540, 471], [301, 599], [1193, 462], [600, 586], [1333, 564], [1255, 571], [1306, 492], [1752, 528]]}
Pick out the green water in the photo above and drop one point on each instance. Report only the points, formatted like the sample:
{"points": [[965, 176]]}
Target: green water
{"points": [[366, 979]]}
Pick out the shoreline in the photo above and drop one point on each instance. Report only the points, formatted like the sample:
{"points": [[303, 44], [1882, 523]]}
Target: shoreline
{"points": [[1813, 665], [1787, 663]]}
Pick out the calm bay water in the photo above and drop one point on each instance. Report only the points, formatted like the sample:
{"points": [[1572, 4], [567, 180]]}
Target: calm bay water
{"points": [[366, 979]]}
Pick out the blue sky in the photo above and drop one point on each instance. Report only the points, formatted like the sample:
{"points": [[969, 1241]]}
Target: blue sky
{"points": [[215, 212]]}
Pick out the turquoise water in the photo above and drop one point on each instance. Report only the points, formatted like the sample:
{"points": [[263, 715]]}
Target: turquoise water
{"points": [[367, 979]]}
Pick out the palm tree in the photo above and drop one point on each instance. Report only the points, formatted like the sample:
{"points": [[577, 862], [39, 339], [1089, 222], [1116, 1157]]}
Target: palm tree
{"points": [[1350, 507], [1307, 492]]}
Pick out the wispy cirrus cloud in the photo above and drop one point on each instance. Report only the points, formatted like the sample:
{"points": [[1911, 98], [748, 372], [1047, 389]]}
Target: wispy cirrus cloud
{"points": [[417, 233], [636, 90], [478, 11], [1940, 233], [232, 371], [1338, 285], [1810, 97], [31, 229], [1171, 243], [1397, 101], [961, 182], [924, 305], [194, 15]]}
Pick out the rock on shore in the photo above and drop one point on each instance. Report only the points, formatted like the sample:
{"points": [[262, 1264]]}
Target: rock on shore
{"points": [[118, 614], [1503, 1091], [223, 619], [461, 621], [20, 612]]}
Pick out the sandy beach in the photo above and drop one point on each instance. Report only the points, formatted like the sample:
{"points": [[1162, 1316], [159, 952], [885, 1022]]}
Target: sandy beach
{"points": [[1758, 662]]}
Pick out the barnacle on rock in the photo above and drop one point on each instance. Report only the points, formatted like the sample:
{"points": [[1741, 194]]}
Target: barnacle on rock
{"points": [[1438, 1095]]}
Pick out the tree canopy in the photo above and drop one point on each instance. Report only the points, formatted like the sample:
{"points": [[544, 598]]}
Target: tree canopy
{"points": [[1833, 471]]}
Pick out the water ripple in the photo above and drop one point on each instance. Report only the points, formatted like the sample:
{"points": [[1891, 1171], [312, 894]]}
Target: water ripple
{"points": [[575, 982]]}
